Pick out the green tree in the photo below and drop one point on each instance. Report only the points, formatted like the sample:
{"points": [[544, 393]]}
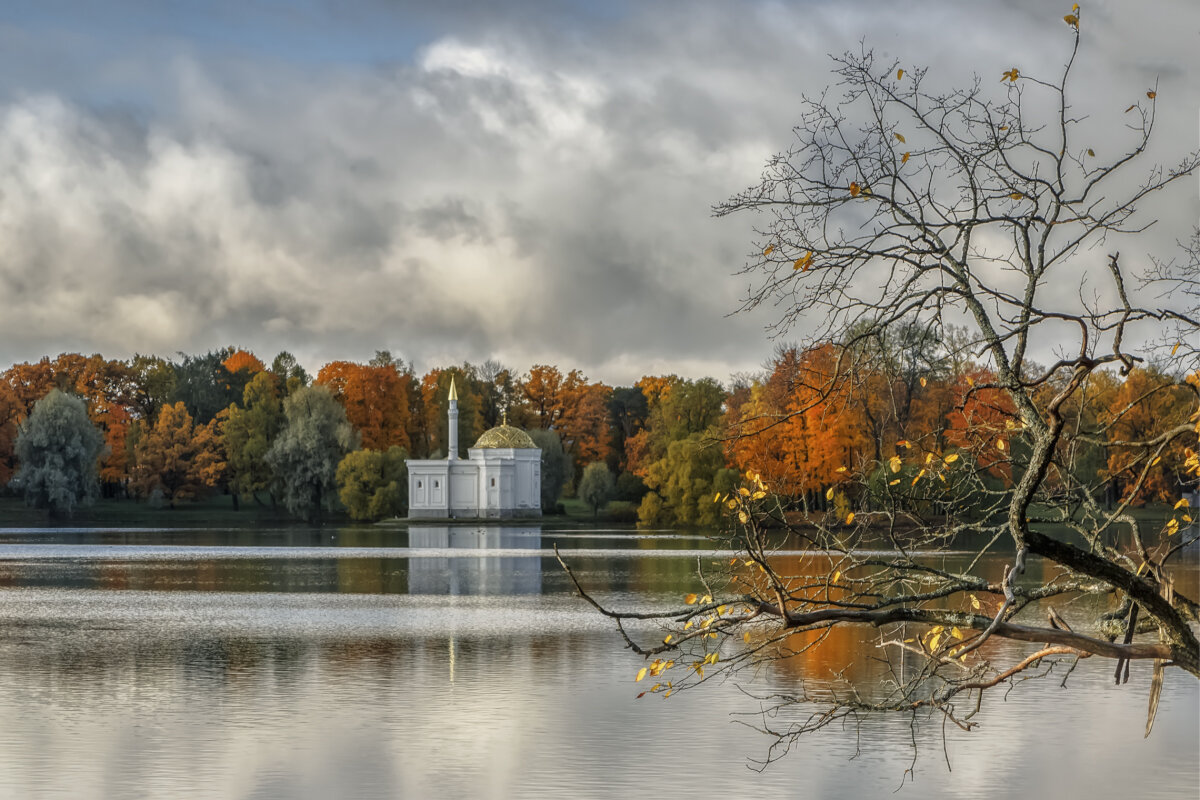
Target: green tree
{"points": [[596, 486], [373, 484], [205, 386], [683, 482], [58, 448], [304, 458], [556, 467], [249, 431], [291, 375]]}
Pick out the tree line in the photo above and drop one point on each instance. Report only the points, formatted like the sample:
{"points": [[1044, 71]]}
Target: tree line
{"points": [[168, 431]]}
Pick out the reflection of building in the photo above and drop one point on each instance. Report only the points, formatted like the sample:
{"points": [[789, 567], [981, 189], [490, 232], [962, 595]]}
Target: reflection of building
{"points": [[501, 478], [474, 573]]}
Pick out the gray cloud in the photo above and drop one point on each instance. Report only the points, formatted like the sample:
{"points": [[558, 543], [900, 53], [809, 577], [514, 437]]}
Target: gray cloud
{"points": [[537, 192]]}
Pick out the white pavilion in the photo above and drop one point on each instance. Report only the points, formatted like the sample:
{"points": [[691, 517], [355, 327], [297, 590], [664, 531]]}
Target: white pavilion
{"points": [[501, 478]]}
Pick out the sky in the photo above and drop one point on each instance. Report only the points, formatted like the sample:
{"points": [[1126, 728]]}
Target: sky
{"points": [[529, 181]]}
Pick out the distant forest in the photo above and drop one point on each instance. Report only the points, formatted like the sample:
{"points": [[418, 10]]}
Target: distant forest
{"points": [[177, 430]]}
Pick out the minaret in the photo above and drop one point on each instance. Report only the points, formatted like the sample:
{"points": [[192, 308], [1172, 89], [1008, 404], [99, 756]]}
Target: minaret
{"points": [[452, 436]]}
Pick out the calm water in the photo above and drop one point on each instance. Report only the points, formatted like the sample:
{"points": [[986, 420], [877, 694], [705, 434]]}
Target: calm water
{"points": [[454, 662]]}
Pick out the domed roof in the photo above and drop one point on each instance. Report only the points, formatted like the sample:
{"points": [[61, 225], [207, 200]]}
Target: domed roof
{"points": [[503, 436]]}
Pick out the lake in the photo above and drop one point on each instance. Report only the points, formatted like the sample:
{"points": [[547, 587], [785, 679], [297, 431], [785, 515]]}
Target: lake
{"points": [[373, 662]]}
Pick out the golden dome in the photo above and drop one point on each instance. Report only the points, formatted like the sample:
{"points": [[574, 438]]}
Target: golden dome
{"points": [[503, 436]]}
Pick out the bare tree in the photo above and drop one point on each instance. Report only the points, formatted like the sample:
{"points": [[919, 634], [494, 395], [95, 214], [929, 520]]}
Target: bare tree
{"points": [[901, 205]]}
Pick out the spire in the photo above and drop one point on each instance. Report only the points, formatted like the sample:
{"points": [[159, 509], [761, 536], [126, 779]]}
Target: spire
{"points": [[452, 427]]}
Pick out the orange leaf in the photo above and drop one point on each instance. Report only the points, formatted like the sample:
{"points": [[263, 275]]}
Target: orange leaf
{"points": [[904, 159], [855, 189], [899, 74], [1152, 94]]}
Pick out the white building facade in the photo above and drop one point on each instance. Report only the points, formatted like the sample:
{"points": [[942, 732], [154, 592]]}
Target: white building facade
{"points": [[501, 478]]}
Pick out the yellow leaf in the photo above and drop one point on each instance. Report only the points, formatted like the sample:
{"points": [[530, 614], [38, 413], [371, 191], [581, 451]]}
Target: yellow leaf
{"points": [[770, 249], [700, 671], [837, 575], [743, 517], [950, 459], [1155, 461], [690, 599], [1187, 519], [850, 518], [689, 624], [855, 189], [1071, 20], [641, 674], [840, 469], [656, 687], [999, 444], [928, 458], [1011, 76], [717, 497], [924, 383], [720, 610], [920, 475], [893, 483], [904, 443], [895, 463], [1016, 195], [900, 138], [974, 602], [829, 493], [667, 693], [804, 262], [1172, 527], [933, 643], [744, 492], [1075, 8], [899, 74], [706, 599], [1181, 504], [1003, 127], [970, 381], [1091, 152], [1152, 94], [1175, 349], [956, 633], [746, 637], [904, 159], [667, 640]]}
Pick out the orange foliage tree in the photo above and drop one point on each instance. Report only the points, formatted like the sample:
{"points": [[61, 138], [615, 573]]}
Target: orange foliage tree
{"points": [[376, 399], [181, 460]]}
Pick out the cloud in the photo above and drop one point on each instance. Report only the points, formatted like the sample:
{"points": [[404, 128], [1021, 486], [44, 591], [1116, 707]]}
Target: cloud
{"points": [[538, 192]]}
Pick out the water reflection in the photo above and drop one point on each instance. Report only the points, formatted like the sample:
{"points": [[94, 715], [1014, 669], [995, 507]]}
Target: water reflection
{"points": [[481, 573], [456, 662]]}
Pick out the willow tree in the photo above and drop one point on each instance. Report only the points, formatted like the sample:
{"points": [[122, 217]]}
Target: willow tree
{"points": [[902, 205]]}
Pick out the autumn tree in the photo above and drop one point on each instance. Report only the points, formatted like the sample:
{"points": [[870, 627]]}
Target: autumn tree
{"points": [[177, 458], [375, 397], [58, 447], [904, 204], [316, 436]]}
